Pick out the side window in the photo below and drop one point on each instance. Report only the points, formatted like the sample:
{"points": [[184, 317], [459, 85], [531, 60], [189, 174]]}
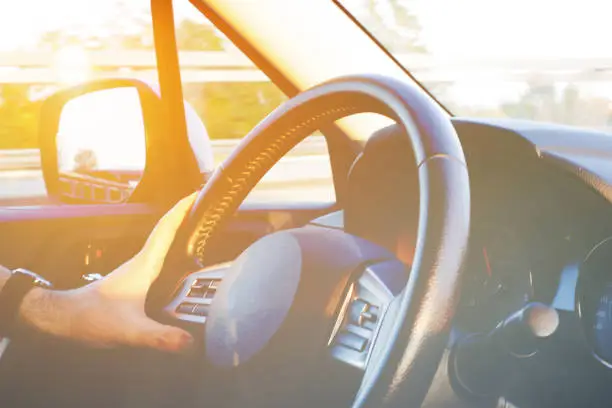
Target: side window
{"points": [[230, 96], [227, 96]]}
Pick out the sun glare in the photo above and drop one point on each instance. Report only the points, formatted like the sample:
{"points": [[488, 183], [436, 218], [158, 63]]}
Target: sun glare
{"points": [[108, 123], [72, 65]]}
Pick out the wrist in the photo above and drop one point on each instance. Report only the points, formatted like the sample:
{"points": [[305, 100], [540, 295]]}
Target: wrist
{"points": [[14, 287], [46, 310]]}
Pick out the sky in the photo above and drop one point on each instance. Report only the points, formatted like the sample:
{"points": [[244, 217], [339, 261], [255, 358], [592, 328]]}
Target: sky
{"points": [[450, 29], [526, 28], [502, 28], [23, 21]]}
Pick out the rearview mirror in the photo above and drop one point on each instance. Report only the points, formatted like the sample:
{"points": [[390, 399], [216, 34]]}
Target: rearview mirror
{"points": [[101, 145], [97, 139]]}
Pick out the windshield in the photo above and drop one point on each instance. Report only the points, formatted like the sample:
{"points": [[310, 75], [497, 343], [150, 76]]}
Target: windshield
{"points": [[529, 59]]}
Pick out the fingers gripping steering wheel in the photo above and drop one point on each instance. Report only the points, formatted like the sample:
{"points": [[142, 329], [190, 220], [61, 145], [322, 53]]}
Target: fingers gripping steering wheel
{"points": [[319, 316]]}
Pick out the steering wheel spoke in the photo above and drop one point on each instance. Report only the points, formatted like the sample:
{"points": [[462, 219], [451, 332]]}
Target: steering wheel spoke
{"points": [[192, 301], [362, 311], [272, 315]]}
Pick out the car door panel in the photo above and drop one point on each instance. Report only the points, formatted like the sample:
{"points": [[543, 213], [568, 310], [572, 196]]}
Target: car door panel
{"points": [[55, 240], [65, 242]]}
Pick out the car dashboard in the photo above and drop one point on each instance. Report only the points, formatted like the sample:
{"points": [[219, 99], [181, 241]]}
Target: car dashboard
{"points": [[536, 214], [541, 224]]}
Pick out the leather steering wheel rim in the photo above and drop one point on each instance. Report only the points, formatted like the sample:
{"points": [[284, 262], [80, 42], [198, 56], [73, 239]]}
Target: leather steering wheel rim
{"points": [[421, 328]]}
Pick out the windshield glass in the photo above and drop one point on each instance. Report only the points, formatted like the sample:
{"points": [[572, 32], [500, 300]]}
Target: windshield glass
{"points": [[529, 59]]}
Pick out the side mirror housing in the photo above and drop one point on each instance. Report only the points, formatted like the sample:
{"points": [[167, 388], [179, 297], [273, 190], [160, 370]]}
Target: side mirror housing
{"points": [[97, 141]]}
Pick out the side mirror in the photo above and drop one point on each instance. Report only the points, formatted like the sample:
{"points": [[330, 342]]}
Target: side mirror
{"points": [[95, 137]]}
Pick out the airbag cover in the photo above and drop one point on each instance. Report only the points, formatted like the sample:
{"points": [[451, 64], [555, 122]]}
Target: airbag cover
{"points": [[277, 304], [254, 299]]}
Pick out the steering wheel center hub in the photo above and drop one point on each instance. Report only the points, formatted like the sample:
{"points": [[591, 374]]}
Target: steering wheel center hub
{"points": [[254, 300], [279, 301]]}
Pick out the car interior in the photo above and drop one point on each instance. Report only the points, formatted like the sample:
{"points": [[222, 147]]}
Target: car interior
{"points": [[463, 264]]}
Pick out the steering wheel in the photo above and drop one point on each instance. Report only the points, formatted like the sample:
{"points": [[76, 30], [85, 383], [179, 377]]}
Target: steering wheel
{"points": [[316, 315]]}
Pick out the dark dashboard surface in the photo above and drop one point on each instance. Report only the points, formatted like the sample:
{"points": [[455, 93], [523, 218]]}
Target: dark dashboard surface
{"points": [[541, 197], [583, 152], [541, 201], [544, 191]]}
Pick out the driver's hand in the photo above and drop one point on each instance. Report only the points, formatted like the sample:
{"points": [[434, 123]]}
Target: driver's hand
{"points": [[111, 311]]}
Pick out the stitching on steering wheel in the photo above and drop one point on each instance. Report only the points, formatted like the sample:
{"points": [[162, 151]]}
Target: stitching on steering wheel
{"points": [[263, 161]]}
